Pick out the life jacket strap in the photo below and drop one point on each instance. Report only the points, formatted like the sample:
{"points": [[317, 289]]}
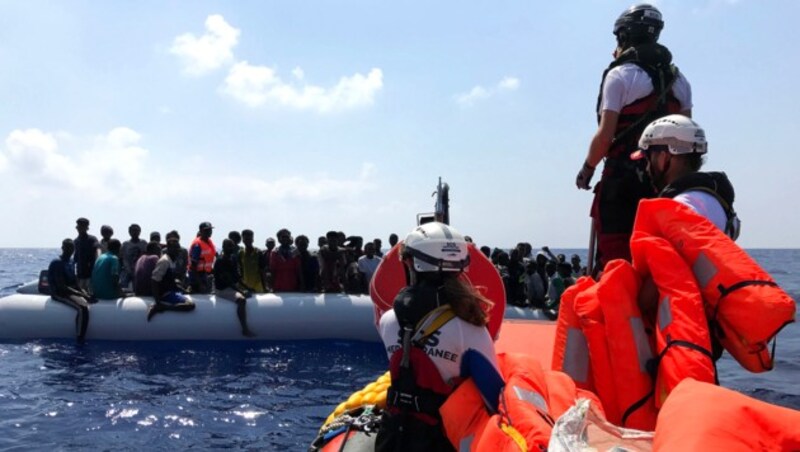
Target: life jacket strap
{"points": [[636, 405], [725, 291], [652, 364]]}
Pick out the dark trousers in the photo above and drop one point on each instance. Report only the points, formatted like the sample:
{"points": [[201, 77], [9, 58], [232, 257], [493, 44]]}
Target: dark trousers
{"points": [[81, 306], [616, 198]]}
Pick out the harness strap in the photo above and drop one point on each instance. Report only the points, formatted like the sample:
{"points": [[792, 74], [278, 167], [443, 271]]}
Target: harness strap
{"points": [[648, 116], [419, 401], [731, 219], [432, 322], [405, 393], [725, 205]]}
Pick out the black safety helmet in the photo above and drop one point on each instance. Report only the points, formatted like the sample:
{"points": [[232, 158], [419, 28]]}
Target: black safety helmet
{"points": [[638, 24]]}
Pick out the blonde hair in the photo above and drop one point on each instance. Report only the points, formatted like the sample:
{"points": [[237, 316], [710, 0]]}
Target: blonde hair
{"points": [[467, 303]]}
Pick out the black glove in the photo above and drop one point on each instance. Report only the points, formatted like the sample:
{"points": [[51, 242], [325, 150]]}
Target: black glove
{"points": [[584, 176]]}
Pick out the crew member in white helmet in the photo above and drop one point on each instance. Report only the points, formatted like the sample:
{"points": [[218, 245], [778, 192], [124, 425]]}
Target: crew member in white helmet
{"points": [[674, 147], [435, 337]]}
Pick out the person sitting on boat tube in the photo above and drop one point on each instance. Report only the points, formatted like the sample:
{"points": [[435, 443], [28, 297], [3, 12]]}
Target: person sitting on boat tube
{"points": [[167, 284], [64, 287], [435, 337], [229, 285]]}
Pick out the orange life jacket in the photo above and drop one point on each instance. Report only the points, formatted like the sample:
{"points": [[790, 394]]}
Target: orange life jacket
{"points": [[683, 342], [743, 303], [530, 402], [207, 255], [605, 348], [629, 348], [703, 417], [592, 321], [570, 349]]}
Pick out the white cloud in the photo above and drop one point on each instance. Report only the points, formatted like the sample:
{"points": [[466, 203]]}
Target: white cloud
{"points": [[508, 84], [257, 86], [107, 168], [210, 51], [479, 93], [295, 188], [35, 154], [114, 167]]}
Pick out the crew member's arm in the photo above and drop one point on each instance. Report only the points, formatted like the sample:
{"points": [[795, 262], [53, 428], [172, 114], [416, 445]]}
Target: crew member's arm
{"points": [[480, 363], [602, 139], [598, 148], [683, 91]]}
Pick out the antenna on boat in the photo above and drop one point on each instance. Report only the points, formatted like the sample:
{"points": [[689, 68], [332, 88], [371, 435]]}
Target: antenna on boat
{"points": [[441, 206]]}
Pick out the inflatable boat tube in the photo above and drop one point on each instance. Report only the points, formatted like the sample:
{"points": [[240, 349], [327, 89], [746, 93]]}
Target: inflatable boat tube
{"points": [[284, 316]]}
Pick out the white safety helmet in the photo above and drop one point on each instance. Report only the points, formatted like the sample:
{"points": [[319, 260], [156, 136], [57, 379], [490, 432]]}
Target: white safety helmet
{"points": [[436, 247], [678, 133]]}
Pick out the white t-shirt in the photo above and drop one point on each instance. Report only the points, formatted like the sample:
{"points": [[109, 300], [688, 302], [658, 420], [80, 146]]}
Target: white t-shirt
{"points": [[706, 205], [628, 83], [367, 266], [446, 347]]}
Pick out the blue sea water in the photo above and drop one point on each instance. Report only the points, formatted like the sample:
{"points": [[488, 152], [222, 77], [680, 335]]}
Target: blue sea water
{"points": [[249, 395]]}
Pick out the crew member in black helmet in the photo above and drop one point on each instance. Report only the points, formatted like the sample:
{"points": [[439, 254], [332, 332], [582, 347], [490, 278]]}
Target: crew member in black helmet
{"points": [[639, 86]]}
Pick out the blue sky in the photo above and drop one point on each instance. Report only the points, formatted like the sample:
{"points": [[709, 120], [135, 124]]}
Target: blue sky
{"points": [[342, 115]]}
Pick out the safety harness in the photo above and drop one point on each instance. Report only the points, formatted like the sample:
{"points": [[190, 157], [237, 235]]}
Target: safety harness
{"points": [[715, 184], [405, 394], [656, 61]]}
